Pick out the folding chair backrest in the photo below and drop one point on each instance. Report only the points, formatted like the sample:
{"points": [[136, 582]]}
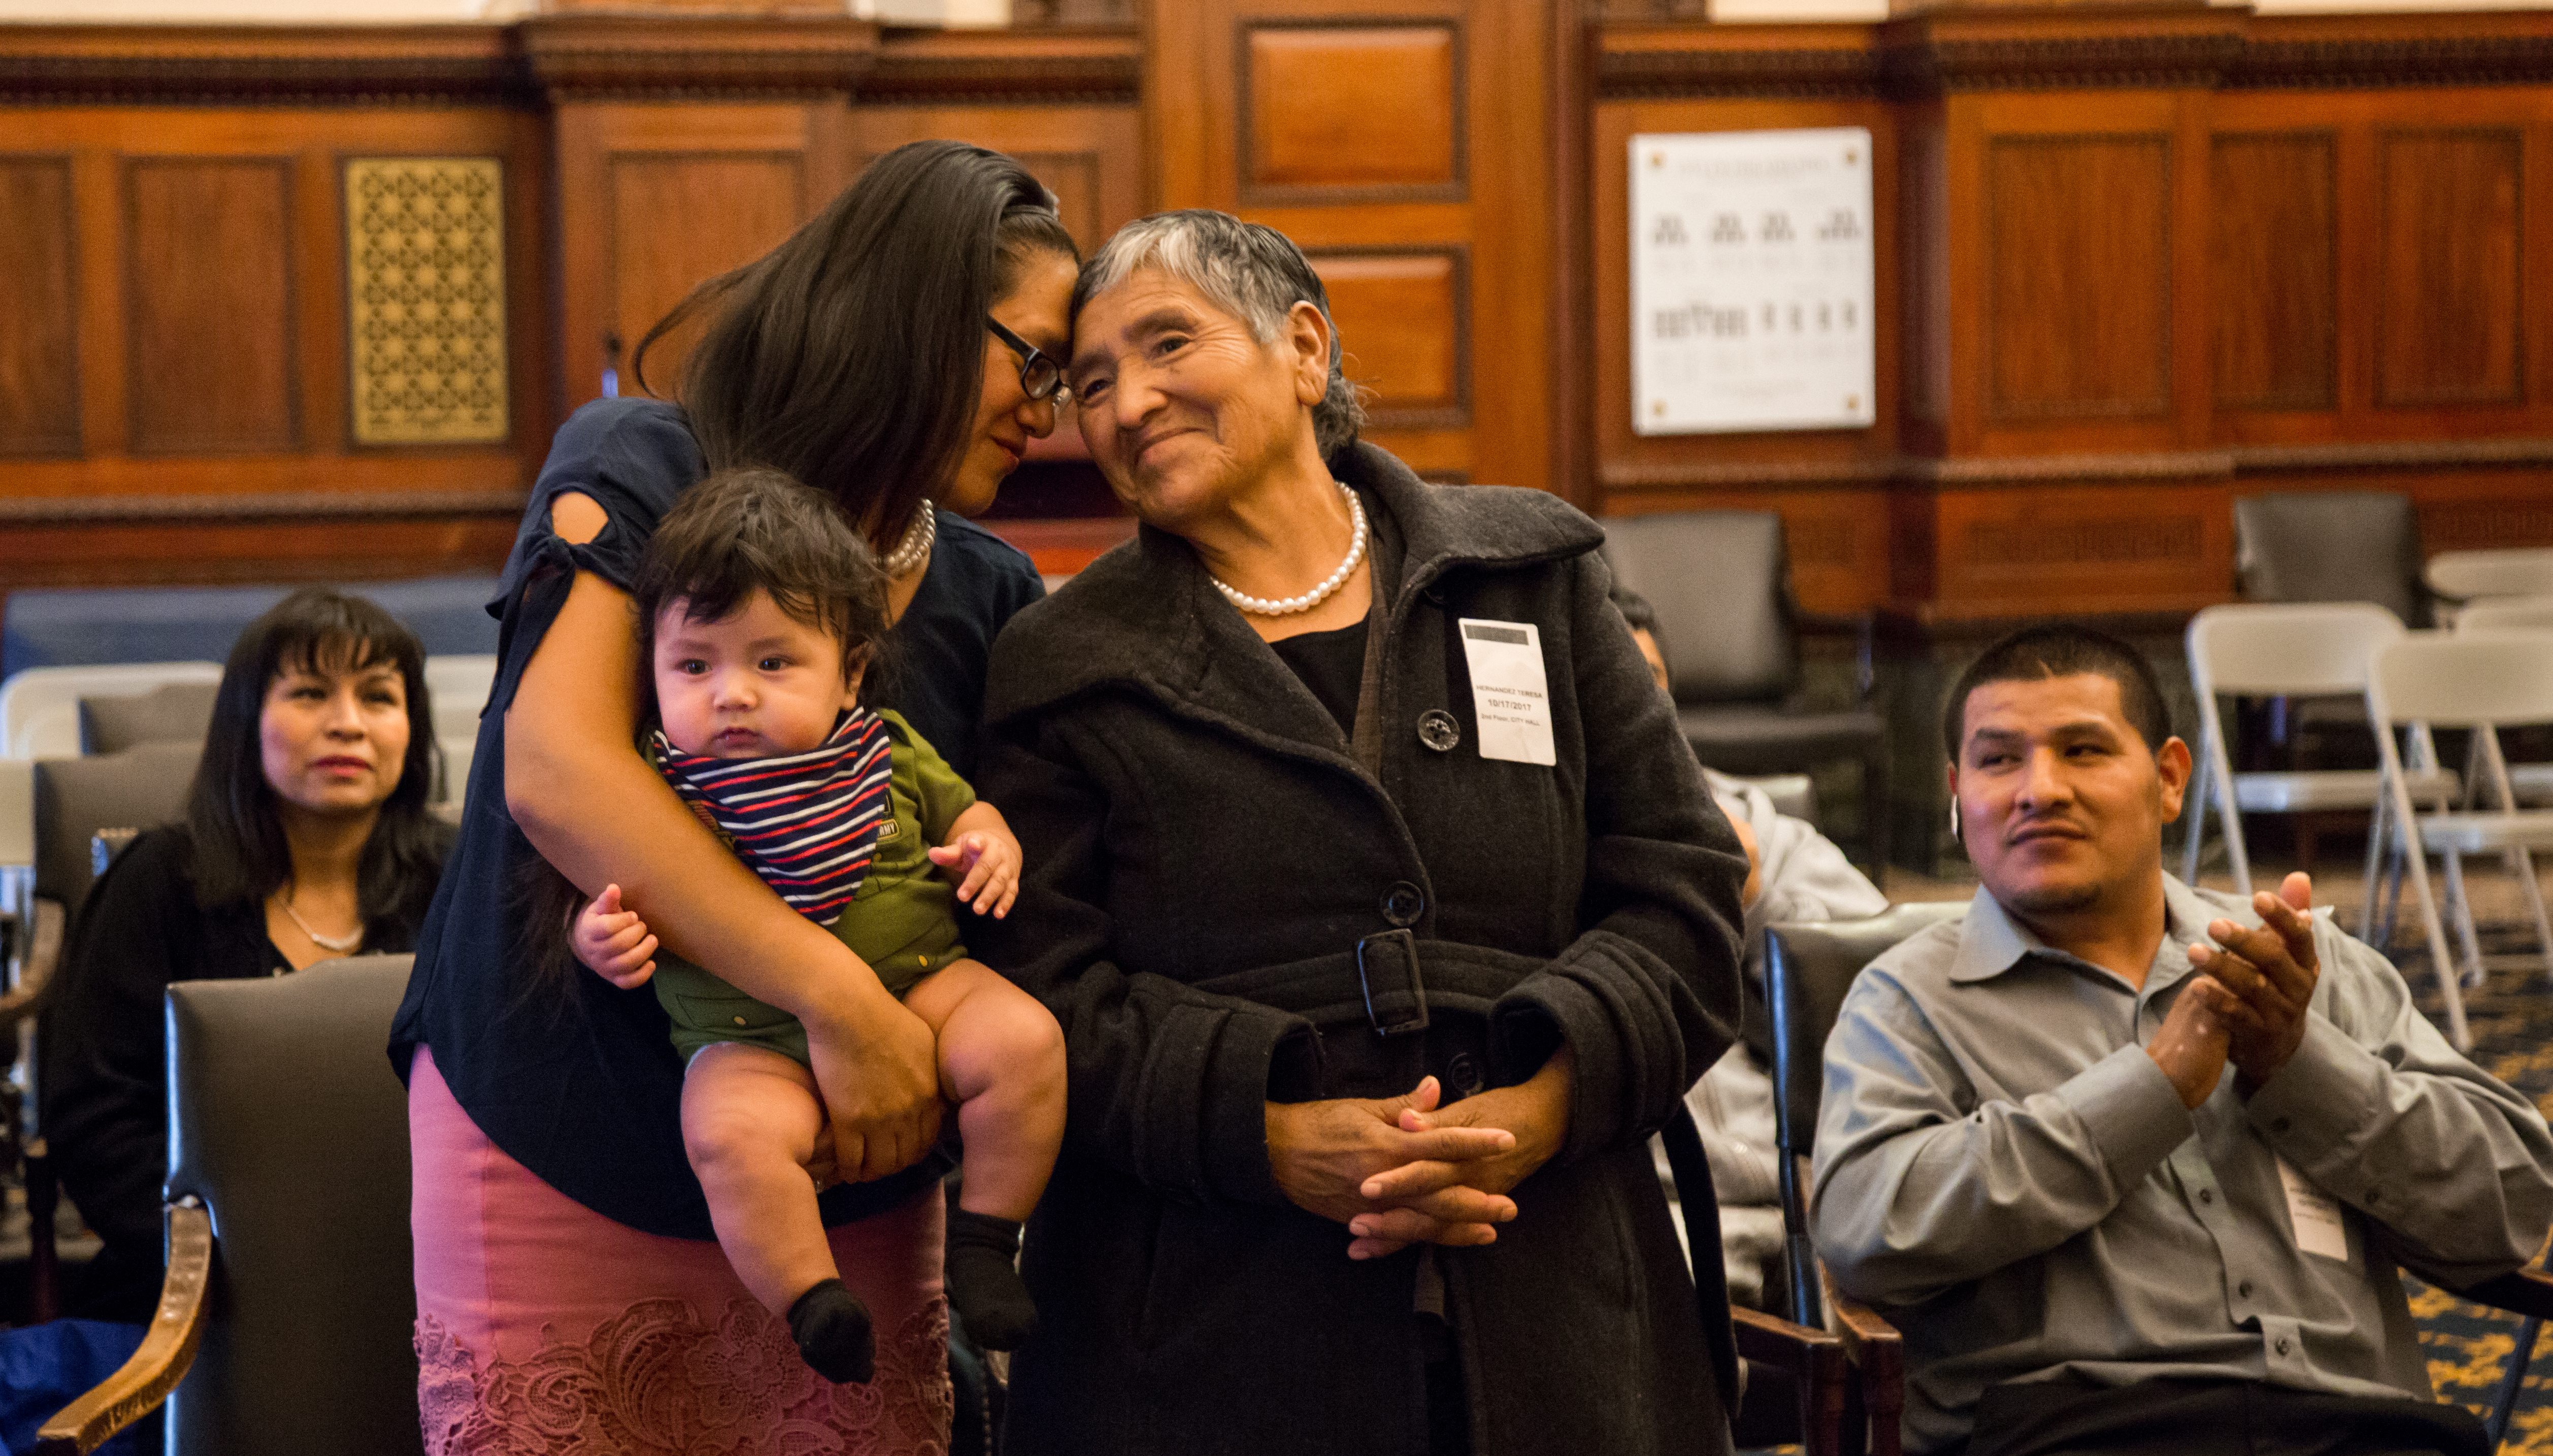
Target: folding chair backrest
{"points": [[2286, 648], [2507, 614], [2463, 679], [2508, 572], [2329, 546], [1808, 967], [40, 708], [288, 1123]]}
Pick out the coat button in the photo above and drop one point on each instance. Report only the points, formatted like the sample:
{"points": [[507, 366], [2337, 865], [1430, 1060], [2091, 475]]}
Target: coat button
{"points": [[1438, 730], [2244, 1288], [1402, 904], [1463, 1073], [2282, 1344], [2206, 1195]]}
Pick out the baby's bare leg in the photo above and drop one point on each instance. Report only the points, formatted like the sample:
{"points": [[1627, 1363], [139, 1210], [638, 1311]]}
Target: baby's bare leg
{"points": [[1001, 1061], [749, 1122]]}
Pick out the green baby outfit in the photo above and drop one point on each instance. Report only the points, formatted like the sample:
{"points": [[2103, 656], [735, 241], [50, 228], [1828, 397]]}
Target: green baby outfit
{"points": [[903, 921]]}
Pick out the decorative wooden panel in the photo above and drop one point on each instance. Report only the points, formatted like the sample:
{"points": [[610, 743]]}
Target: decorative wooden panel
{"points": [[39, 366], [2082, 549], [425, 288], [678, 220], [1090, 156], [1404, 321], [2450, 319], [2078, 276], [1404, 127], [2274, 264], [1334, 113], [212, 317]]}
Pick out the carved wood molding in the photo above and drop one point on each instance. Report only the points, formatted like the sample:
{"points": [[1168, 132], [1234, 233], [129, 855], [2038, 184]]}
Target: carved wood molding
{"points": [[1091, 67], [225, 506], [259, 64], [2039, 470], [1951, 51], [591, 57], [563, 57]]}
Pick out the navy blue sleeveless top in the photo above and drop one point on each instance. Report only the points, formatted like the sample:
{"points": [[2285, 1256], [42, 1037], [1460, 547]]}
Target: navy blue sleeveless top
{"points": [[585, 1091]]}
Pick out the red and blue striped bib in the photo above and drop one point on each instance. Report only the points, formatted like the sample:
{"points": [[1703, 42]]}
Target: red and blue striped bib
{"points": [[807, 823]]}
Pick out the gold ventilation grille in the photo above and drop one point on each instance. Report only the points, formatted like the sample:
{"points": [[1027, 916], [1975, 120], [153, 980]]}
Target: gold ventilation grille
{"points": [[425, 293]]}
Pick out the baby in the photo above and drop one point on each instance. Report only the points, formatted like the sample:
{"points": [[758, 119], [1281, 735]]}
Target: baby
{"points": [[759, 605]]}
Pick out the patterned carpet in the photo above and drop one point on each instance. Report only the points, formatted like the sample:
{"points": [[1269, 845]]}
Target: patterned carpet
{"points": [[2468, 1346]]}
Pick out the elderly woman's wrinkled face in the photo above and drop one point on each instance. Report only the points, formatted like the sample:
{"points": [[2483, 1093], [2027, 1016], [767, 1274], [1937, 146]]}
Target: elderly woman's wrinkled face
{"points": [[333, 736], [1182, 409]]}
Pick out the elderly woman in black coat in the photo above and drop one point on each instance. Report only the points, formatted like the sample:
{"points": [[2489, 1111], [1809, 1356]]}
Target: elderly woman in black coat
{"points": [[1384, 913]]}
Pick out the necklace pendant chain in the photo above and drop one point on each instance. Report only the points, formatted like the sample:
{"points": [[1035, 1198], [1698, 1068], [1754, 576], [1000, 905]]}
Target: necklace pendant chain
{"points": [[339, 944], [1289, 605], [915, 550]]}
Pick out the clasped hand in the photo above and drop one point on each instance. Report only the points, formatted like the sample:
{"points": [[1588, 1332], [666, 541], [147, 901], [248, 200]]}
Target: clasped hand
{"points": [[2248, 1005], [1401, 1171]]}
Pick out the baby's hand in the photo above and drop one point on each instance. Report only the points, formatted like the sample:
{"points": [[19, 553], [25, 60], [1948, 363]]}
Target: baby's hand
{"points": [[613, 942], [986, 865]]}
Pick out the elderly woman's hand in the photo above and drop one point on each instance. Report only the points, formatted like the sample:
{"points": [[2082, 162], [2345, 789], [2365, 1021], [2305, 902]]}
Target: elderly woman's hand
{"points": [[1534, 1112], [1323, 1153]]}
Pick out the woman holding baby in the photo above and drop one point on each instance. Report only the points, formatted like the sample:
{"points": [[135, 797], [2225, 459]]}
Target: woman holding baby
{"points": [[894, 356]]}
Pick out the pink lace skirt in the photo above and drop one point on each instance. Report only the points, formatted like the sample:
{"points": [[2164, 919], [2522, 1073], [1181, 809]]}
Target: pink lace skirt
{"points": [[543, 1326]]}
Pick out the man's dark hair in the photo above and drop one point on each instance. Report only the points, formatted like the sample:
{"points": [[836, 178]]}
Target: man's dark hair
{"points": [[748, 530], [2062, 650], [240, 852], [1636, 609], [853, 355]]}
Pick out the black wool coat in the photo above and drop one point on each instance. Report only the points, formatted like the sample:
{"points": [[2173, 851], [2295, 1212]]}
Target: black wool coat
{"points": [[1204, 855]]}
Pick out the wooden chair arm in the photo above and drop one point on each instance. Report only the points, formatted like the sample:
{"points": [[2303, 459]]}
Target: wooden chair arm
{"points": [[2528, 1291], [1878, 1354], [167, 1348], [1815, 1357]]}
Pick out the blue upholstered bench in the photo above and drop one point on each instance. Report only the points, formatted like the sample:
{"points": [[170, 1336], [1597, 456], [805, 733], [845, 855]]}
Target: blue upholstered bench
{"points": [[86, 626]]}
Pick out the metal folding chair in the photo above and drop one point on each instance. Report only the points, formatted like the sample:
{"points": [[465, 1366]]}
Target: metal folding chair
{"points": [[2292, 649], [2483, 681]]}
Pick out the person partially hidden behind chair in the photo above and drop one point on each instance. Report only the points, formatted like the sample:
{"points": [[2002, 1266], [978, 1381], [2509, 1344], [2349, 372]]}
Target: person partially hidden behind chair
{"points": [[2130, 1164]]}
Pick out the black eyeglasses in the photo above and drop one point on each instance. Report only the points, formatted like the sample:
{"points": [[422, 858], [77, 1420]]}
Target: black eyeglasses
{"points": [[1039, 374]]}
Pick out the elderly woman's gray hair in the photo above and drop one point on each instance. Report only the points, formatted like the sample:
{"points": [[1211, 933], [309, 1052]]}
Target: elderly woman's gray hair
{"points": [[1254, 273]]}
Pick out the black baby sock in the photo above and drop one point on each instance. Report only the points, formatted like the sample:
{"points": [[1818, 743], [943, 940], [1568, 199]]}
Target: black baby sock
{"points": [[832, 1327], [984, 1279]]}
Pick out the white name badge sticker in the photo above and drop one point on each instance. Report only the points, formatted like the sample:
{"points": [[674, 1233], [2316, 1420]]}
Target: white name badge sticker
{"points": [[1510, 697], [2315, 1216]]}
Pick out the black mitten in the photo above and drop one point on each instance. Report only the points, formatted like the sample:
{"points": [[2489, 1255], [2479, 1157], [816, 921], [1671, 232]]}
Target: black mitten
{"points": [[984, 1279]]}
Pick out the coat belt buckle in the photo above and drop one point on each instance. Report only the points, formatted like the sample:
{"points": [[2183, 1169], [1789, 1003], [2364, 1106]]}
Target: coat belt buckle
{"points": [[1388, 972]]}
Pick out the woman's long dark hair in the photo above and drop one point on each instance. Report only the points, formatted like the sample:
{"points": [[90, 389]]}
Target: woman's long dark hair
{"points": [[241, 856], [852, 356]]}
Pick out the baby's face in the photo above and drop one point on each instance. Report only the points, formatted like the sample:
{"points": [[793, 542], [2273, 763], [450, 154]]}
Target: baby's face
{"points": [[758, 684]]}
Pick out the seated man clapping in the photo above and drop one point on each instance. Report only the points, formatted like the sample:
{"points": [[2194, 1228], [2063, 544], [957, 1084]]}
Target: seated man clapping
{"points": [[2132, 1165]]}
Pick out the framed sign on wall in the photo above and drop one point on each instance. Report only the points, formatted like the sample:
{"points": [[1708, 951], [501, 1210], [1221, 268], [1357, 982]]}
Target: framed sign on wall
{"points": [[1752, 291]]}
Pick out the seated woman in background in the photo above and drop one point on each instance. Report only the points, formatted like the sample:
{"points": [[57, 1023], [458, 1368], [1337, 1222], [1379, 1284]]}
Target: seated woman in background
{"points": [[307, 836]]}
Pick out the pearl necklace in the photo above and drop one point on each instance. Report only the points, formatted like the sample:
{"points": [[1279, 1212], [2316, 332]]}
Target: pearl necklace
{"points": [[1258, 606], [339, 944], [915, 548]]}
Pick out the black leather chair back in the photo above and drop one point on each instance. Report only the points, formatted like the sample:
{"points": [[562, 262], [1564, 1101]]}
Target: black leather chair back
{"points": [[290, 1125], [1808, 967], [2331, 546], [1721, 584], [76, 798]]}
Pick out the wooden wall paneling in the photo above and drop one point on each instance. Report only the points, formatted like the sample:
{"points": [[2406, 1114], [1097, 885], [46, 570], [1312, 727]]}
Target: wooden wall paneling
{"points": [[38, 349], [2274, 304], [1090, 156], [1322, 119], [2081, 549], [253, 550], [1922, 231], [653, 198], [212, 343], [2078, 268], [1405, 312], [2451, 296]]}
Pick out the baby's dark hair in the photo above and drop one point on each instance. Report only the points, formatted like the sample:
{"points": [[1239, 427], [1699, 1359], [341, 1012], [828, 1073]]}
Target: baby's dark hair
{"points": [[753, 529]]}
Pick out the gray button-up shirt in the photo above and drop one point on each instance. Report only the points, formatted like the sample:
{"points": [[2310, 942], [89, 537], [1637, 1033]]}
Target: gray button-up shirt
{"points": [[2006, 1176]]}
